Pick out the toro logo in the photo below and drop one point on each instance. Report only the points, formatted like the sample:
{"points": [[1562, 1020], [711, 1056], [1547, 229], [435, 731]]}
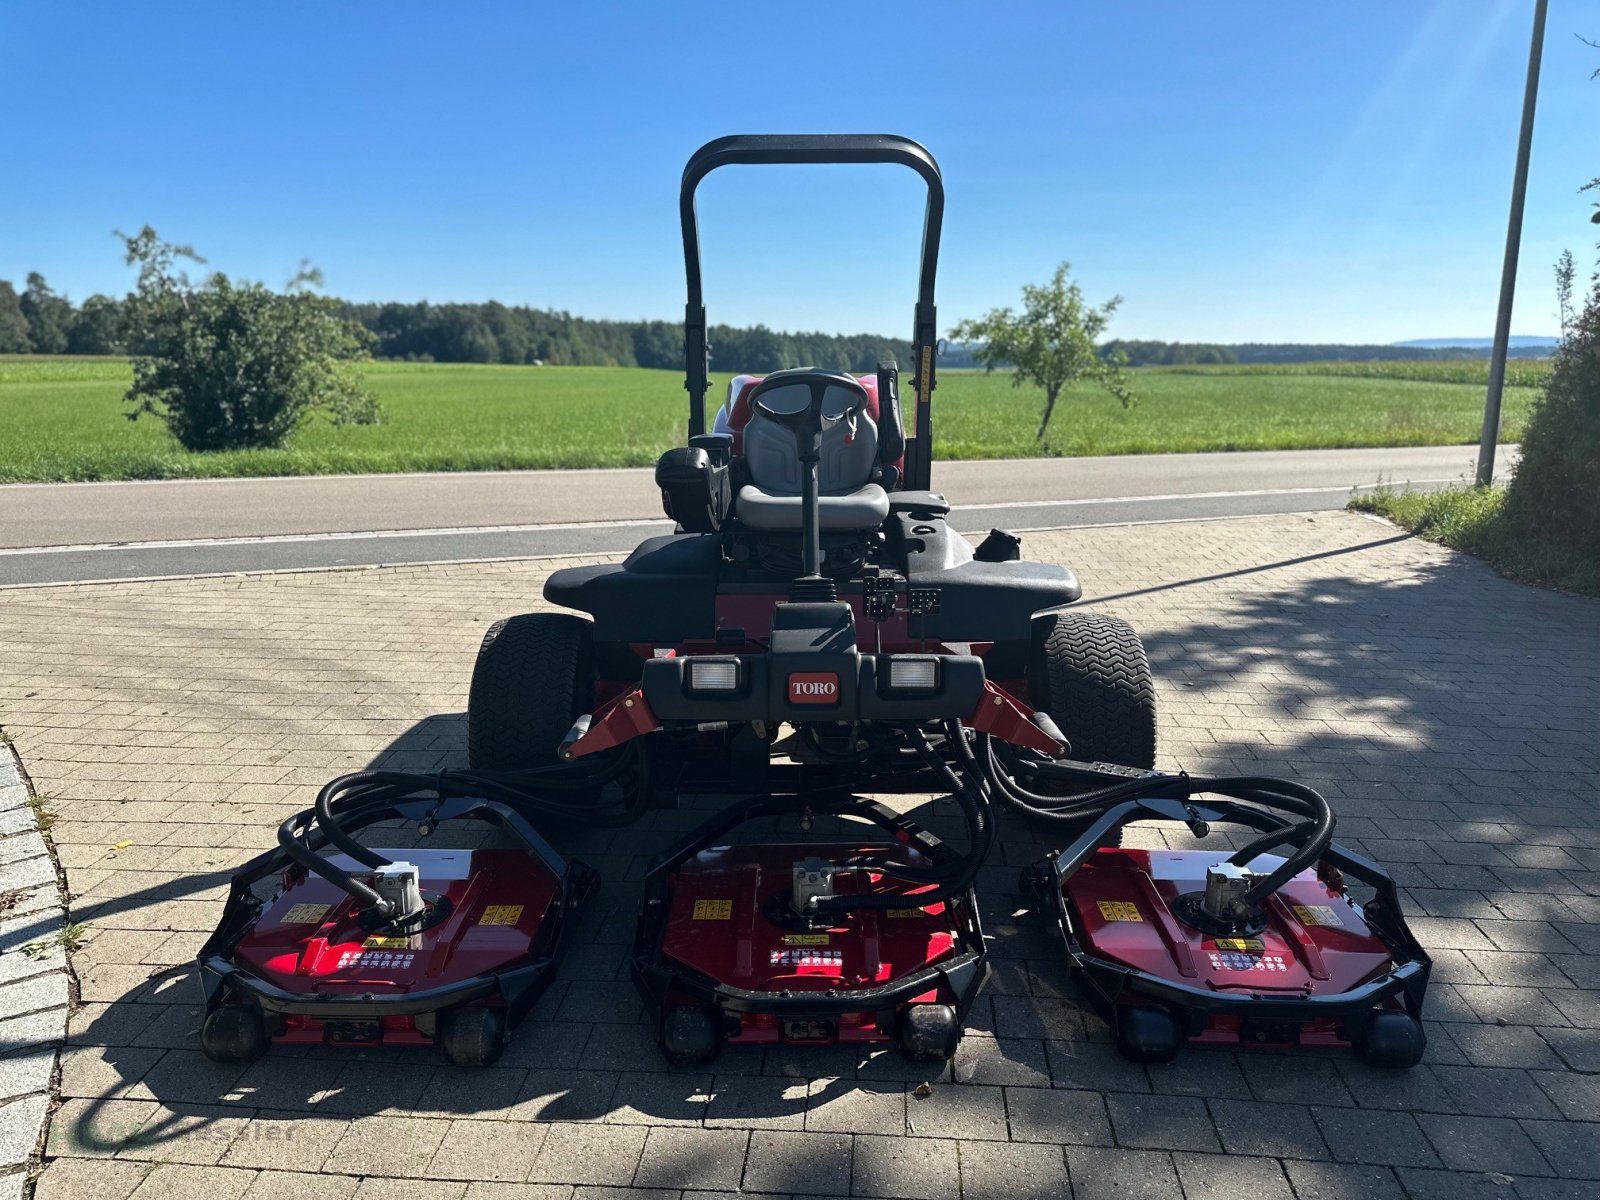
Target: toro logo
{"points": [[814, 687]]}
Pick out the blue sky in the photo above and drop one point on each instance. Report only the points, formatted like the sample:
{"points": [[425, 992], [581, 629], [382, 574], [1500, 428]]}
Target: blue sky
{"points": [[1237, 171]]}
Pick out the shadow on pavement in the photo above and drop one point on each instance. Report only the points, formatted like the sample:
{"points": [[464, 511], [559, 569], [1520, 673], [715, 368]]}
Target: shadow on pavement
{"points": [[1437, 706]]}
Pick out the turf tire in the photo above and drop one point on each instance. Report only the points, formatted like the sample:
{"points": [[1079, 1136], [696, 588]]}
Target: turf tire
{"points": [[534, 675], [1090, 673]]}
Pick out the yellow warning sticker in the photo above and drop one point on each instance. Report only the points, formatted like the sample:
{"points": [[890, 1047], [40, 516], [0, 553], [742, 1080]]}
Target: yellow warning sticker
{"points": [[1119, 910], [1240, 944], [713, 910], [501, 914], [805, 939], [386, 943], [305, 914], [905, 914], [1317, 914]]}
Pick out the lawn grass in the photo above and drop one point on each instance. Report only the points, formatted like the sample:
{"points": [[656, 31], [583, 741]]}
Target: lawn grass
{"points": [[61, 419], [1474, 520]]}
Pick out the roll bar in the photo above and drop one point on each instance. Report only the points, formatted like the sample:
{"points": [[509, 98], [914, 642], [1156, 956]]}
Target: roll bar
{"points": [[758, 149]]}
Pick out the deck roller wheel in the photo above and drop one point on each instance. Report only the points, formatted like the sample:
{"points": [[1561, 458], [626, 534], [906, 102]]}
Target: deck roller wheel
{"points": [[1391, 1039], [234, 1033], [1148, 1035], [929, 1033], [471, 1037], [690, 1036]]}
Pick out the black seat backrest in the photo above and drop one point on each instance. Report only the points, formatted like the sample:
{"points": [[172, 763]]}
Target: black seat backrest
{"points": [[849, 456]]}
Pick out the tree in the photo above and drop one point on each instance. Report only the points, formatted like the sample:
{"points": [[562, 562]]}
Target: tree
{"points": [[234, 364], [97, 327], [1051, 344], [49, 316], [13, 321]]}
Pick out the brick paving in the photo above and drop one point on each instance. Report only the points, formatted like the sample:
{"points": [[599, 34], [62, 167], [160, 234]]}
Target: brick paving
{"points": [[1449, 714]]}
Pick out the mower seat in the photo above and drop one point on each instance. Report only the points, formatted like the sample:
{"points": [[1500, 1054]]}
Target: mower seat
{"points": [[849, 498]]}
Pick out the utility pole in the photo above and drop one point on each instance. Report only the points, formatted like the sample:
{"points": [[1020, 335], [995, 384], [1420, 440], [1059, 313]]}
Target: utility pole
{"points": [[1508, 271]]}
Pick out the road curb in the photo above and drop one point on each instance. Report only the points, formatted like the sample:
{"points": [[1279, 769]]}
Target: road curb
{"points": [[35, 982]]}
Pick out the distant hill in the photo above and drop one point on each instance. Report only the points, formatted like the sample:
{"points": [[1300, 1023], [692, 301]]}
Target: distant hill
{"points": [[1518, 342]]}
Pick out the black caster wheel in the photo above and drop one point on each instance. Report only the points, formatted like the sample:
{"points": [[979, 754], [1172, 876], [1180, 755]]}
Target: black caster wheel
{"points": [[234, 1033], [1148, 1035], [471, 1037], [1031, 883], [690, 1036], [1391, 1039], [929, 1033]]}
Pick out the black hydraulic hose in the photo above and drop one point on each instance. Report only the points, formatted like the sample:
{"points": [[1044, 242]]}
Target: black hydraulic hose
{"points": [[360, 782], [970, 792], [353, 797], [1311, 836], [307, 857]]}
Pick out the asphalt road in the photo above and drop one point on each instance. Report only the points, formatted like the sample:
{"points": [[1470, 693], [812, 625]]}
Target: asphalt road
{"points": [[52, 533]]}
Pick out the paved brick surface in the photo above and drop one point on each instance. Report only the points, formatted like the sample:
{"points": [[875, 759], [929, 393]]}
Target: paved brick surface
{"points": [[1449, 714]]}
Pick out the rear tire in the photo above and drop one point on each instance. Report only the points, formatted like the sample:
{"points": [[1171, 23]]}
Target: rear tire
{"points": [[1090, 673], [533, 677]]}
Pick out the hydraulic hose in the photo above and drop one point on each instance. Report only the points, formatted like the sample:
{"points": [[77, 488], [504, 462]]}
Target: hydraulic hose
{"points": [[354, 798], [970, 791], [1309, 837]]}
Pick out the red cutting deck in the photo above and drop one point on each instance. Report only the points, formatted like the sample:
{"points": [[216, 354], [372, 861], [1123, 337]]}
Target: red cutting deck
{"points": [[308, 939], [1315, 940], [719, 927]]}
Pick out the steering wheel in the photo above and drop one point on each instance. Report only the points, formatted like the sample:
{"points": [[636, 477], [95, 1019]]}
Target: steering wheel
{"points": [[797, 402]]}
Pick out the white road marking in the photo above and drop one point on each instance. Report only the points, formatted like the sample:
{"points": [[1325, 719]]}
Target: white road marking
{"points": [[450, 531], [618, 554]]}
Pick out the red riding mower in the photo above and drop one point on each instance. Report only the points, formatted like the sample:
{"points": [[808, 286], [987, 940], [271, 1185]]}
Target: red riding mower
{"points": [[815, 631]]}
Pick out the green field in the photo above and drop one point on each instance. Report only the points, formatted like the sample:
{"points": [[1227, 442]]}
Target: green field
{"points": [[61, 419]]}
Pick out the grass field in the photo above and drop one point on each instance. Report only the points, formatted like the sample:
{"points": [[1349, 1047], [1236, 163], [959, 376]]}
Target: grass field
{"points": [[61, 419]]}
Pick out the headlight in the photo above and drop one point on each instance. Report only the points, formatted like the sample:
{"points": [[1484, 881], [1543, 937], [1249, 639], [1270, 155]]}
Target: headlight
{"points": [[719, 675], [912, 673]]}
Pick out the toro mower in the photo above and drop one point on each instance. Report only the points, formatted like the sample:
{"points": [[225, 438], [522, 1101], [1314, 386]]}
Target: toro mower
{"points": [[813, 639]]}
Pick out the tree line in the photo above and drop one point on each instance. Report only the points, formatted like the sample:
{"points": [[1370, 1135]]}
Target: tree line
{"points": [[40, 321]]}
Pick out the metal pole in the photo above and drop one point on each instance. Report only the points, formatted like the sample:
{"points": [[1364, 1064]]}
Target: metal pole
{"points": [[1508, 272]]}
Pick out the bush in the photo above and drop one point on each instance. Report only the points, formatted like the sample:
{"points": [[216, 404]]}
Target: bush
{"points": [[1554, 495], [236, 365], [1474, 519]]}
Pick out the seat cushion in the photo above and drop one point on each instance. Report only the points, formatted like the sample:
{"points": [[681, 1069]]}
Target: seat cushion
{"points": [[864, 508]]}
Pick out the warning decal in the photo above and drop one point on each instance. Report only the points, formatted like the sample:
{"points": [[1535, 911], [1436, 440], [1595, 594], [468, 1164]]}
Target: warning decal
{"points": [[713, 910], [806, 958], [905, 914], [1317, 914], [501, 914], [1228, 960], [305, 914], [1240, 944], [387, 943], [805, 939], [375, 960], [1119, 910]]}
